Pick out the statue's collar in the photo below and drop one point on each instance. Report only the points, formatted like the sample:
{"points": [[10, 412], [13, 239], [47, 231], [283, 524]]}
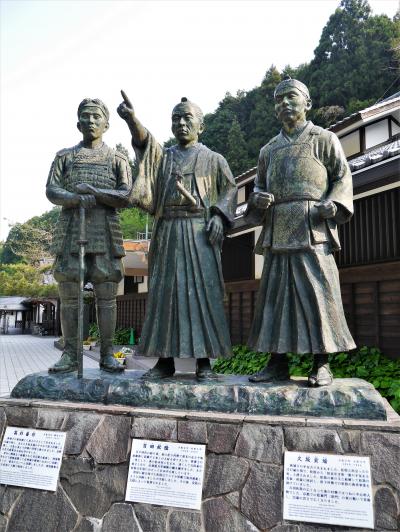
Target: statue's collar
{"points": [[301, 131], [101, 147]]}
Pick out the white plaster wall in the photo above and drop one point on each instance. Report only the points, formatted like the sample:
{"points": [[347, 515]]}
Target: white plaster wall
{"points": [[143, 287], [258, 259], [120, 289]]}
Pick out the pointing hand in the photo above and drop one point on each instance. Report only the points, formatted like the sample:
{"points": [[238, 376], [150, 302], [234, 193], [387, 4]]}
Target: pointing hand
{"points": [[125, 109]]}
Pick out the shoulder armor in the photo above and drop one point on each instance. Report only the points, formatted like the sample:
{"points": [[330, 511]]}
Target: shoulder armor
{"points": [[120, 155], [269, 143], [316, 130], [203, 147], [65, 151], [272, 141]]}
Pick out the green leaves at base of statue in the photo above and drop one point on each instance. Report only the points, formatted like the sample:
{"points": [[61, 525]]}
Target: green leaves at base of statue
{"points": [[243, 362], [121, 335], [366, 363]]}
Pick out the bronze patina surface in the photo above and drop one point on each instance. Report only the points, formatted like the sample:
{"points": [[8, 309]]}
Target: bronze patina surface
{"points": [[345, 398], [191, 192], [93, 176], [302, 191]]}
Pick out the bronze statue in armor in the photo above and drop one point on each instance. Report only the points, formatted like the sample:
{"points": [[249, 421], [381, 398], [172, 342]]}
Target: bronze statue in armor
{"points": [[98, 178]]}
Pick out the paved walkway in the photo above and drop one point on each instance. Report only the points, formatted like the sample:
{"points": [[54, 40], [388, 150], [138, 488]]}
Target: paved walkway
{"points": [[21, 354]]}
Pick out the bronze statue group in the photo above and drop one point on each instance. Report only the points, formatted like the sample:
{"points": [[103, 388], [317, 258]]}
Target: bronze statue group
{"points": [[303, 189]]}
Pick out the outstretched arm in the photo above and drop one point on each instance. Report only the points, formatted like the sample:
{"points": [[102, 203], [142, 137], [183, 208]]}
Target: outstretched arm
{"points": [[138, 131]]}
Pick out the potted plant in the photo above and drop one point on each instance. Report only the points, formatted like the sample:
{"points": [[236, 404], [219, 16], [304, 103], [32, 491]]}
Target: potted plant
{"points": [[120, 356], [86, 345], [92, 340]]}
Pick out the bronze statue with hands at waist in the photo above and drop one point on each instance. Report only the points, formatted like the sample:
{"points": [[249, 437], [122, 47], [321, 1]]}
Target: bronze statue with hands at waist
{"points": [[191, 192], [303, 189]]}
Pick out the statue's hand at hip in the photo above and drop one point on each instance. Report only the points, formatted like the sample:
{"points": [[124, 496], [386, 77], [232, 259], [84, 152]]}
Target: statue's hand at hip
{"points": [[215, 229], [326, 209], [262, 200]]}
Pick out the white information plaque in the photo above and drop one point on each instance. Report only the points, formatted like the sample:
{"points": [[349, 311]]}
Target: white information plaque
{"points": [[165, 473], [31, 458], [328, 488]]}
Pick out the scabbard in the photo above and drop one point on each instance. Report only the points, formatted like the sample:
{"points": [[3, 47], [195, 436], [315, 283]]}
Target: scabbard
{"points": [[81, 245]]}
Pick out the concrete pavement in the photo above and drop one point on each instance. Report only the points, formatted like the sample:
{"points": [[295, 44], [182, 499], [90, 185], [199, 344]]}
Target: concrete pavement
{"points": [[22, 354]]}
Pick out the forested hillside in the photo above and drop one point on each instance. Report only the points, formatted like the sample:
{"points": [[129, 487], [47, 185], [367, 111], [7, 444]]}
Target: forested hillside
{"points": [[355, 64]]}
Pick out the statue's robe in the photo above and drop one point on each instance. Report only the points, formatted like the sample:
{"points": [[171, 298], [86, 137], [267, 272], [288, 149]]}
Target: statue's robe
{"points": [[299, 307], [185, 312]]}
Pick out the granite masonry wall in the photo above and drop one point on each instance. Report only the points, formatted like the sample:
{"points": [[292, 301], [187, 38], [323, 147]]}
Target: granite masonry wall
{"points": [[243, 483]]}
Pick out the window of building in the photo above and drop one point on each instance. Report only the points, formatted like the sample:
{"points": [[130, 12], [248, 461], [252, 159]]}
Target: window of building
{"points": [[376, 133], [395, 128], [351, 143], [131, 284], [241, 195]]}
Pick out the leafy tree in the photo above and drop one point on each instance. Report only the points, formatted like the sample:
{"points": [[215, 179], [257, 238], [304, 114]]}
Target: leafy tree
{"points": [[133, 220], [216, 128], [132, 162], [262, 123], [355, 59], [237, 150], [355, 64], [25, 280], [30, 242]]}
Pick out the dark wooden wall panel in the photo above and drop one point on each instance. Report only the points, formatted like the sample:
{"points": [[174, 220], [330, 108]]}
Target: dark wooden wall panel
{"points": [[371, 301], [373, 234]]}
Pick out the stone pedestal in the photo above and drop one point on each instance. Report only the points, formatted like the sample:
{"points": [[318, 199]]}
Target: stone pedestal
{"points": [[243, 484], [347, 398]]}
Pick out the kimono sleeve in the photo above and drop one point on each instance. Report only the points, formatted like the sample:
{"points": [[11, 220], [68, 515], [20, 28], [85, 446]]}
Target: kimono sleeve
{"points": [[144, 189], [340, 179], [226, 193]]}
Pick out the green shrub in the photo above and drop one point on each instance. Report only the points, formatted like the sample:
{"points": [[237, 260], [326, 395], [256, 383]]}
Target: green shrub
{"points": [[243, 362], [121, 337], [94, 331], [366, 363]]}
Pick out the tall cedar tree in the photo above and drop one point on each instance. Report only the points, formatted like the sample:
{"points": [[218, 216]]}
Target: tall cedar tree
{"points": [[355, 64], [237, 149]]}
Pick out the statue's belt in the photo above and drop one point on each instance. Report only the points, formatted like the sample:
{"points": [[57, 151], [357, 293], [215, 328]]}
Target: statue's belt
{"points": [[171, 213], [297, 198]]}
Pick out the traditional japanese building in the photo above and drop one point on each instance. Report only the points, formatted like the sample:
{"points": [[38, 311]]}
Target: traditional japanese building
{"points": [[369, 261]]}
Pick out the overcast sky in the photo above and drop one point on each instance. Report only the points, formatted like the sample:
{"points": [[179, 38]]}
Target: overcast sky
{"points": [[55, 53]]}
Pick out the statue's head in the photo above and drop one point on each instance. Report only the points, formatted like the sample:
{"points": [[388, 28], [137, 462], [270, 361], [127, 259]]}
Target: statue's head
{"points": [[187, 122], [93, 118], [292, 101]]}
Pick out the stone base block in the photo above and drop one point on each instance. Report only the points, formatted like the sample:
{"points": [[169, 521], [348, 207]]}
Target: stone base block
{"points": [[345, 398], [243, 482]]}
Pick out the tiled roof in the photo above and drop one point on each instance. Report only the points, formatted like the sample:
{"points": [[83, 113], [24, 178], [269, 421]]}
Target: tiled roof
{"points": [[134, 245], [375, 156], [245, 174], [392, 102], [13, 303]]}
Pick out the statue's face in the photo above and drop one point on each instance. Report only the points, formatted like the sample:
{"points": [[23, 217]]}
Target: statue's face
{"points": [[92, 123], [186, 125], [291, 106]]}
